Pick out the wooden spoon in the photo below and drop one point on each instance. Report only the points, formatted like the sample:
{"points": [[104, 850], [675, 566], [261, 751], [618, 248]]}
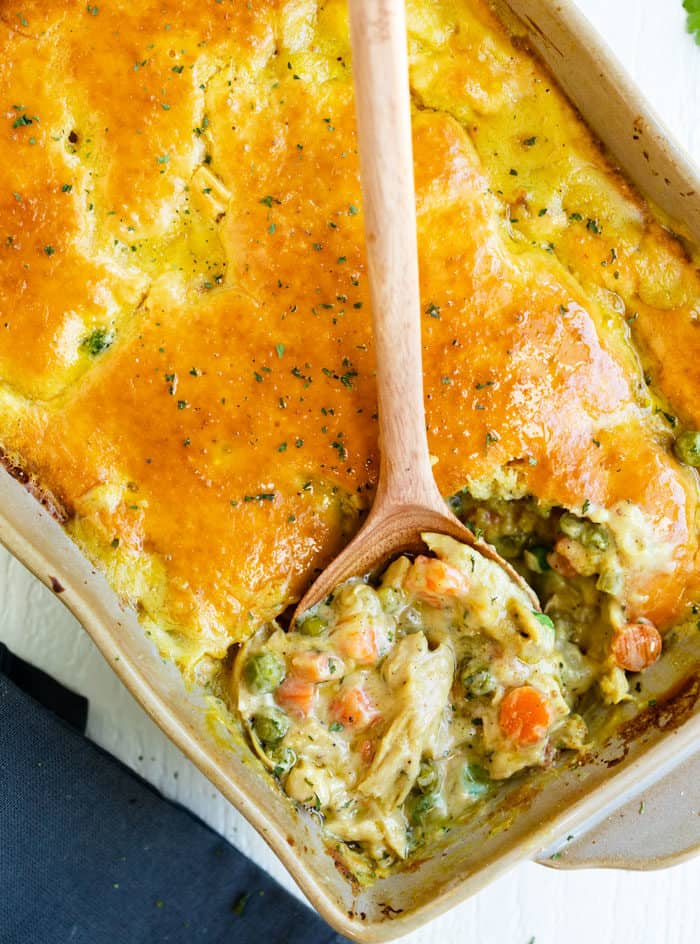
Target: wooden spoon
{"points": [[407, 501]]}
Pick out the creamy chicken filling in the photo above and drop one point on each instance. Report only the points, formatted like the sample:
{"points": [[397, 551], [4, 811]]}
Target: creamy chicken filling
{"points": [[394, 708]]}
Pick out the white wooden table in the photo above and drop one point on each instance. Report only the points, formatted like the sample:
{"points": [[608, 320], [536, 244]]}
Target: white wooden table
{"points": [[553, 907]]}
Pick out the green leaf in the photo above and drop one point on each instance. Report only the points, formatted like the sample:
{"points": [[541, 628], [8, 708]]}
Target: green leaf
{"points": [[692, 8], [543, 618]]}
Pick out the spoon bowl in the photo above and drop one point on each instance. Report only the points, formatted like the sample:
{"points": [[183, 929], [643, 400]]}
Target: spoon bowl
{"points": [[386, 535], [408, 502]]}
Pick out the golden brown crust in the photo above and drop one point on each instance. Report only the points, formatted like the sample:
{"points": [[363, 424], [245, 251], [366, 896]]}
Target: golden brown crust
{"points": [[186, 183]]}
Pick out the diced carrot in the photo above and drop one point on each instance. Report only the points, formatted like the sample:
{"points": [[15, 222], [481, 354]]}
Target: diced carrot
{"points": [[434, 582], [637, 645], [561, 563], [524, 715], [353, 708], [316, 666], [357, 641], [296, 695]]}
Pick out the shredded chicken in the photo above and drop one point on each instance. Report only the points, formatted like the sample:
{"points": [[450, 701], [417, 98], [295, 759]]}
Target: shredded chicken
{"points": [[420, 682]]}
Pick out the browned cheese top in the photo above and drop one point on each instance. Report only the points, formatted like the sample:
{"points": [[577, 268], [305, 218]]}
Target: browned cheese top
{"points": [[185, 348]]}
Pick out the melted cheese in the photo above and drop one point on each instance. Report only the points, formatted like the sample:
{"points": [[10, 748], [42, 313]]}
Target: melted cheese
{"points": [[184, 182]]}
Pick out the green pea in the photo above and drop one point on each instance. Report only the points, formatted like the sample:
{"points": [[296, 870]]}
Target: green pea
{"points": [[419, 805], [476, 780], [479, 683], [411, 620], [271, 726], [391, 598], [596, 537], [312, 626], [476, 678], [571, 526], [687, 448], [284, 759], [264, 672], [610, 581], [536, 559], [510, 545]]}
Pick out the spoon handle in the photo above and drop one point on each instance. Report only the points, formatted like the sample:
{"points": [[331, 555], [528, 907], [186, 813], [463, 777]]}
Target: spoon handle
{"points": [[383, 112]]}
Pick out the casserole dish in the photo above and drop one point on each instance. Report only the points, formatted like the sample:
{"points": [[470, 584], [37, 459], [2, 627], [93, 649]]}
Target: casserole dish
{"points": [[394, 905]]}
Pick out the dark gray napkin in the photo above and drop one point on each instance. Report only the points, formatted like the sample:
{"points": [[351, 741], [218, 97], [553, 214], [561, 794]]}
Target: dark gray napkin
{"points": [[91, 854]]}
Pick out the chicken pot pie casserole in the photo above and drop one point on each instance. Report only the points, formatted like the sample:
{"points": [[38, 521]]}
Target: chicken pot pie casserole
{"points": [[187, 380]]}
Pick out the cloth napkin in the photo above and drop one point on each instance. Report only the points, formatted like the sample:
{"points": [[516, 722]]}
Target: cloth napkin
{"points": [[91, 854]]}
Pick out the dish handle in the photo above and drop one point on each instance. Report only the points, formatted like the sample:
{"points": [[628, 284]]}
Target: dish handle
{"points": [[656, 827]]}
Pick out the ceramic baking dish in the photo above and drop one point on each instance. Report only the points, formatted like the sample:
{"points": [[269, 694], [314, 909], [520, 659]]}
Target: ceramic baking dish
{"points": [[562, 818]]}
